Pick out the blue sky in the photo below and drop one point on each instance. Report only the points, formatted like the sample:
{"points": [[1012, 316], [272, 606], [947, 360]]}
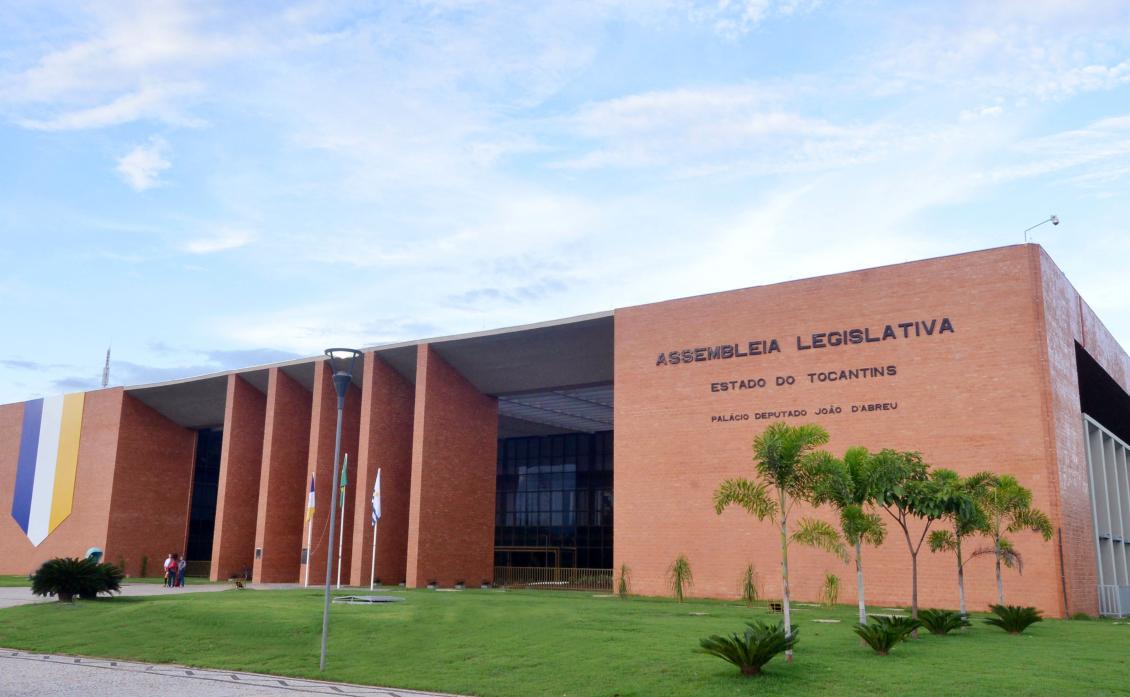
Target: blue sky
{"points": [[214, 185]]}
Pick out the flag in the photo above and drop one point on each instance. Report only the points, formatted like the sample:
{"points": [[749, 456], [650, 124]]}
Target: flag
{"points": [[344, 479], [44, 487], [310, 501], [377, 498]]}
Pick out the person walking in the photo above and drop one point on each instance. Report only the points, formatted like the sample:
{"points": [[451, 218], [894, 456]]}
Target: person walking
{"points": [[181, 565]]}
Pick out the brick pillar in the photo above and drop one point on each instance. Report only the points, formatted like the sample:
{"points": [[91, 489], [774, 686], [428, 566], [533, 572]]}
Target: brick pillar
{"points": [[282, 480], [320, 461], [454, 444], [237, 499], [152, 490], [385, 443]]}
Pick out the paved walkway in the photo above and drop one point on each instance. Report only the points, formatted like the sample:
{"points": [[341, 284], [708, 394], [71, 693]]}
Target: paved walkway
{"points": [[42, 675], [10, 597]]}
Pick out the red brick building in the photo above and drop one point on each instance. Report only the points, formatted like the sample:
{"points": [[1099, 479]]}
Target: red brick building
{"points": [[502, 449]]}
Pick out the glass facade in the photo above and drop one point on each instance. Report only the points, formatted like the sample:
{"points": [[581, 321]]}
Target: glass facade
{"points": [[554, 501], [205, 483]]}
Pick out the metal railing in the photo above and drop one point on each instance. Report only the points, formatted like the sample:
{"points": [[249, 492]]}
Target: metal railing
{"points": [[553, 578], [1110, 602]]}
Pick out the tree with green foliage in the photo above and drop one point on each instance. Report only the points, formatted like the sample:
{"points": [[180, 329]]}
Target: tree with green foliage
{"points": [[907, 489], [782, 455], [966, 521], [849, 486], [1008, 509]]}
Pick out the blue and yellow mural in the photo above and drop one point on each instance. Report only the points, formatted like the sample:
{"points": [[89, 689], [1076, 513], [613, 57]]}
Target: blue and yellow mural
{"points": [[45, 475]]}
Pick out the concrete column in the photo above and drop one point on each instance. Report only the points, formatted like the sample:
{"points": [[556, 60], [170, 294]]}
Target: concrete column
{"points": [[282, 480], [323, 422], [152, 490], [454, 444], [385, 443], [237, 499]]}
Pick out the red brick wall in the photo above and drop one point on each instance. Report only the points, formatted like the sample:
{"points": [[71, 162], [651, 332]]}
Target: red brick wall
{"points": [[282, 480], [94, 477], [385, 443], [454, 444], [323, 425], [969, 400], [152, 488], [237, 499], [1068, 320]]}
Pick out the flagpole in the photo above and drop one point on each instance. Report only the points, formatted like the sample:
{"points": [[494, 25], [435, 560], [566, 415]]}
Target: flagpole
{"points": [[373, 563], [309, 531], [309, 541], [341, 536], [376, 510]]}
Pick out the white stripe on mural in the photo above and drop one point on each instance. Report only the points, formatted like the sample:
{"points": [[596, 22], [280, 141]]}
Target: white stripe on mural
{"points": [[43, 489]]}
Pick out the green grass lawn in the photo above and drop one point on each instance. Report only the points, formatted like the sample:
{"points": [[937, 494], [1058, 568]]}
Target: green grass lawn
{"points": [[14, 581], [521, 644]]}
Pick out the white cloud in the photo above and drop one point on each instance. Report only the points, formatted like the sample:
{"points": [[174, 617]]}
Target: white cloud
{"points": [[141, 167], [222, 240], [146, 102], [735, 18], [138, 60]]}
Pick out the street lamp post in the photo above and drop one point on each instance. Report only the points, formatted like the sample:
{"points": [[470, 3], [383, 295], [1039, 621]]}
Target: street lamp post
{"points": [[342, 361], [1053, 219]]}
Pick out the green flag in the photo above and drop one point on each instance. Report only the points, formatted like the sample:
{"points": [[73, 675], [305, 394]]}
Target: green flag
{"points": [[344, 479]]}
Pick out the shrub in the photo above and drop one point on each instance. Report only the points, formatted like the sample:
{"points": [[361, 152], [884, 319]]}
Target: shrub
{"points": [[942, 622], [830, 593], [882, 633], [754, 648], [67, 577], [144, 566], [749, 585], [1081, 616], [1013, 619], [624, 583], [680, 578]]}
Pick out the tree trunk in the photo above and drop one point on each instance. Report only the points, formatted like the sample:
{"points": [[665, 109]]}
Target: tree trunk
{"points": [[913, 572], [961, 582], [914, 585], [785, 571], [859, 582], [1000, 585]]}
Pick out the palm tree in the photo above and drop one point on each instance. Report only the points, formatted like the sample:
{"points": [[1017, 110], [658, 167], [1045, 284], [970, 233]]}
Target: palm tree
{"points": [[966, 521], [780, 455], [1008, 508], [849, 486]]}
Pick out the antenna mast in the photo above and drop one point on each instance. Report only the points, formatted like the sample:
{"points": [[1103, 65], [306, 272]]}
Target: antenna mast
{"points": [[106, 369]]}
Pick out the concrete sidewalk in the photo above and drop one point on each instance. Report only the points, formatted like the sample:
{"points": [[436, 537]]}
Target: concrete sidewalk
{"points": [[42, 675], [10, 597]]}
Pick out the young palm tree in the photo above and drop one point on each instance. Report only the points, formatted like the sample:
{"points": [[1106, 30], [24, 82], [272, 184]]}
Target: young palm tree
{"points": [[849, 486], [966, 521], [1008, 508], [780, 454]]}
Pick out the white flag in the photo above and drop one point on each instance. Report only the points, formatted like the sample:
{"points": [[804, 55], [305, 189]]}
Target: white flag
{"points": [[377, 498]]}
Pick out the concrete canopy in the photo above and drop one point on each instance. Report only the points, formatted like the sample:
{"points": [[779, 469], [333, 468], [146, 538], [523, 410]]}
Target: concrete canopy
{"points": [[551, 376]]}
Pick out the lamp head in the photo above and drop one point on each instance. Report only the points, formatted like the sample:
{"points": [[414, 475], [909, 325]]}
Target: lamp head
{"points": [[1055, 220], [342, 361]]}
